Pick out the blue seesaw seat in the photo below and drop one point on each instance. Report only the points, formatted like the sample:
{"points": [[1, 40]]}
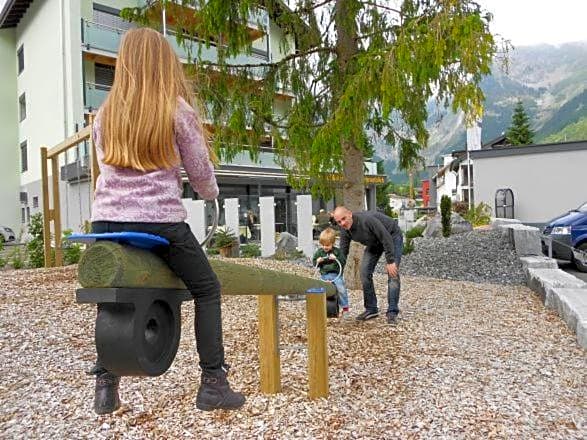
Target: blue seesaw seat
{"points": [[137, 239]]}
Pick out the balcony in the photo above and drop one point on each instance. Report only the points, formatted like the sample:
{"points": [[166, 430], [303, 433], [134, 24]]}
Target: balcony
{"points": [[180, 15], [94, 95], [105, 40]]}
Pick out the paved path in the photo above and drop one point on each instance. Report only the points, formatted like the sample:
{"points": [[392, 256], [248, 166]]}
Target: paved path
{"points": [[571, 269]]}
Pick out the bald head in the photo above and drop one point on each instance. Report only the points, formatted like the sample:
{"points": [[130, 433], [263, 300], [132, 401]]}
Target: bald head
{"points": [[343, 217]]}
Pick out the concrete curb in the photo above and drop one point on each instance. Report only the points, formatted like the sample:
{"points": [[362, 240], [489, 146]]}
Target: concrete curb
{"points": [[559, 291]]}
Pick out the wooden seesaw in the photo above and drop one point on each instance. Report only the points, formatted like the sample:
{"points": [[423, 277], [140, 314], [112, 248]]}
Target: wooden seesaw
{"points": [[138, 325]]}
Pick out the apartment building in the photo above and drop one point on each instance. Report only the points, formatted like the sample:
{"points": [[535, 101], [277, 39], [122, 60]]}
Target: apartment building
{"points": [[58, 58]]}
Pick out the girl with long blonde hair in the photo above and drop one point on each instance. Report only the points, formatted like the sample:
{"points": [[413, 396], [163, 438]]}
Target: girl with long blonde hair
{"points": [[145, 131]]}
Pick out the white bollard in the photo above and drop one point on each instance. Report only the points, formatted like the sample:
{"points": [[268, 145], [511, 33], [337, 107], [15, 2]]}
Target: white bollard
{"points": [[196, 210], [304, 212], [267, 211], [231, 216]]}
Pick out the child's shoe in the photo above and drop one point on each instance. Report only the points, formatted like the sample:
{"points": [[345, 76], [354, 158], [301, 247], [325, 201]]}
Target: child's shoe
{"points": [[344, 314]]}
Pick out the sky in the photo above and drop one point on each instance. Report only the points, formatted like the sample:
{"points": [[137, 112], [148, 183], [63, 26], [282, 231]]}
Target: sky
{"points": [[529, 22]]}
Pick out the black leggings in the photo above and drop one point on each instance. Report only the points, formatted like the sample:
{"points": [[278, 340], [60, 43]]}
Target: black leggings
{"points": [[188, 261]]}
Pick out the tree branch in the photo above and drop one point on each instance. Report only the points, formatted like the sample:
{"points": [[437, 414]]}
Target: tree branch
{"points": [[316, 6], [368, 3]]}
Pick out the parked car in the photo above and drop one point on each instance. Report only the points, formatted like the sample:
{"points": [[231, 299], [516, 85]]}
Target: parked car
{"points": [[569, 234], [6, 234]]}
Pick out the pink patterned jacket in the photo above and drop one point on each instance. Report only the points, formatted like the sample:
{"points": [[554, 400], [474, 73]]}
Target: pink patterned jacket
{"points": [[127, 195]]}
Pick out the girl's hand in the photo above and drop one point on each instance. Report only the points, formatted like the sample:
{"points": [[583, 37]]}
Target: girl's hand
{"points": [[319, 260]]}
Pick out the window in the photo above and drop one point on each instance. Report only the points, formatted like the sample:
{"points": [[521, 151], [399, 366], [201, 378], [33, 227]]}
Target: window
{"points": [[110, 17], [20, 55], [35, 202], [22, 107], [22, 215], [23, 157], [28, 215], [104, 75]]}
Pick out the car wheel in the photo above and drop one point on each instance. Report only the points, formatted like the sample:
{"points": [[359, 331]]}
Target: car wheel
{"points": [[580, 266]]}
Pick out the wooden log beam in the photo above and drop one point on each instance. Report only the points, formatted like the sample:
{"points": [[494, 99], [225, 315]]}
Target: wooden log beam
{"points": [[110, 264]]}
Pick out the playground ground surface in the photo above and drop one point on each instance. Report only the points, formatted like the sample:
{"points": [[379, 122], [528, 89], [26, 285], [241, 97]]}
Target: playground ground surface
{"points": [[465, 360]]}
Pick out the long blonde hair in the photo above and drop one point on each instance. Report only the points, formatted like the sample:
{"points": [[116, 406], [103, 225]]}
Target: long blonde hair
{"points": [[137, 120]]}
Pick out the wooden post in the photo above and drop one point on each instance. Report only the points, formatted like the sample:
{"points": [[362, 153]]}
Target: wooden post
{"points": [[46, 209], [56, 211], [94, 170], [317, 348], [269, 364]]}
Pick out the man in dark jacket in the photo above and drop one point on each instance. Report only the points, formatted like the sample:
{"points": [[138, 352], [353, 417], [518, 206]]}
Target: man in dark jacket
{"points": [[379, 233]]}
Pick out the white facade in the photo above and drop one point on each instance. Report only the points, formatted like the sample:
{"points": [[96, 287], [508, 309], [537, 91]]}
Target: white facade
{"points": [[10, 164], [546, 180], [56, 83]]}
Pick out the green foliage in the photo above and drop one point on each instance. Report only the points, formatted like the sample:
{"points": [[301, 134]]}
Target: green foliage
{"points": [[520, 132], [212, 251], [250, 250], [416, 231], [2, 260], [35, 246], [16, 258], [71, 251], [572, 132], [479, 215], [373, 76], [223, 238], [445, 214]]}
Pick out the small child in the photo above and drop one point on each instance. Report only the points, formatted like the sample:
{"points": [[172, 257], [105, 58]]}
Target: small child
{"points": [[325, 259]]}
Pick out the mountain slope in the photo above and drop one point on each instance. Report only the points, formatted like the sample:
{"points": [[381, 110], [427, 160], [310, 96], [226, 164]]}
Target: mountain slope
{"points": [[551, 81]]}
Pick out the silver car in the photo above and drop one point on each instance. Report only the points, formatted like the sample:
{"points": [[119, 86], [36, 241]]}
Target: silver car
{"points": [[6, 234]]}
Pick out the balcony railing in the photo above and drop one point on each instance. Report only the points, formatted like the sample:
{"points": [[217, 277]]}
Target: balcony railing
{"points": [[105, 38], [95, 95]]}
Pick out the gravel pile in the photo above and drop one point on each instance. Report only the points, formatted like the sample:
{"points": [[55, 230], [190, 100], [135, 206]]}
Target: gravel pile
{"points": [[466, 361], [480, 256]]}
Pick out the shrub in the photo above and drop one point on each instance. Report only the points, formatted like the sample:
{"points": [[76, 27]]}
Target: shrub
{"points": [[389, 211], [479, 215], [410, 235], [250, 250], [35, 246], [71, 251], [223, 238], [16, 258], [2, 260], [445, 213], [212, 251], [460, 208]]}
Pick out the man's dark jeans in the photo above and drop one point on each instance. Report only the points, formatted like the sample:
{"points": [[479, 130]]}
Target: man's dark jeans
{"points": [[188, 261], [370, 258]]}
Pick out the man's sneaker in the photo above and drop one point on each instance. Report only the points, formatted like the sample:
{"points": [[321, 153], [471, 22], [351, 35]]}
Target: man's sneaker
{"points": [[366, 315], [391, 318]]}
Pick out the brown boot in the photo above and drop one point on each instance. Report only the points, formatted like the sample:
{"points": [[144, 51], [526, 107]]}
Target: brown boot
{"points": [[215, 393], [106, 399]]}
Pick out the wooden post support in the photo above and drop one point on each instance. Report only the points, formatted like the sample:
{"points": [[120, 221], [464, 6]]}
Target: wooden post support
{"points": [[269, 364], [46, 209], [317, 348], [94, 170], [56, 211]]}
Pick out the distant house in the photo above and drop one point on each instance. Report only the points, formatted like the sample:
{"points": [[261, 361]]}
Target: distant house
{"points": [[545, 180], [455, 177], [397, 202]]}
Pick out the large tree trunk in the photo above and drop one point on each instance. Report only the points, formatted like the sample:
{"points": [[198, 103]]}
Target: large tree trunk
{"points": [[110, 264], [353, 179]]}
